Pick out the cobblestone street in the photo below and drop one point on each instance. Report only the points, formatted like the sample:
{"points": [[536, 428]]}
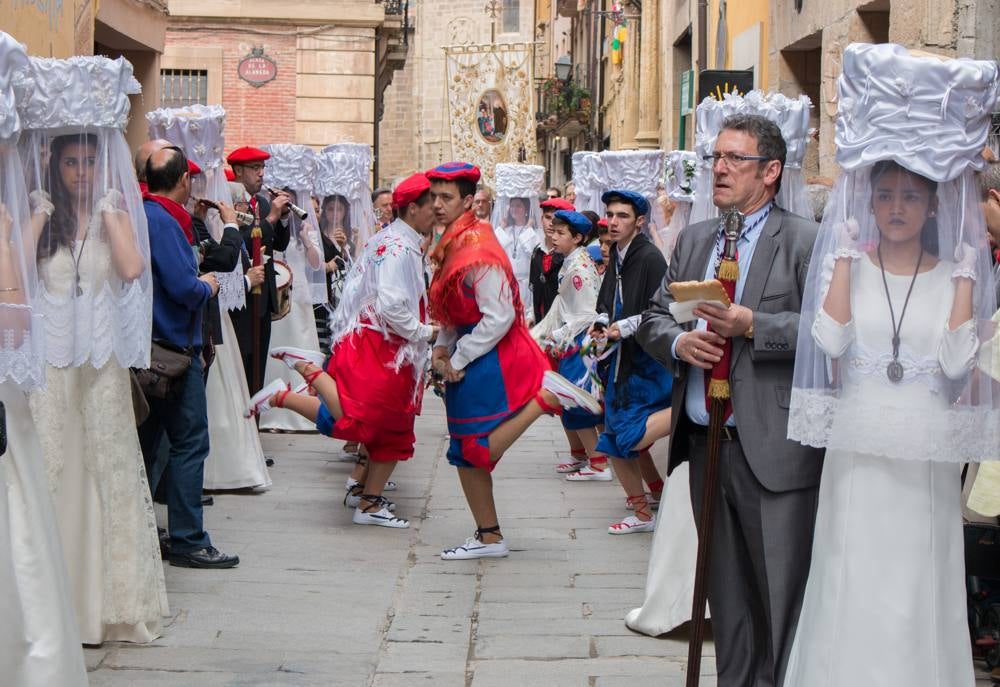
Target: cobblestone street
{"points": [[319, 601]]}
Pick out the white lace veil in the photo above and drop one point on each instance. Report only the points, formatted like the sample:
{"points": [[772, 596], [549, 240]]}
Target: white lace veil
{"points": [[21, 334], [590, 180], [907, 126], [521, 184], [93, 248], [792, 117], [198, 131], [293, 167], [681, 177], [344, 169]]}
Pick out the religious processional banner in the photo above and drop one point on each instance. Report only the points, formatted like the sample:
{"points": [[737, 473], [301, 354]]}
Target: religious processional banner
{"points": [[490, 102]]}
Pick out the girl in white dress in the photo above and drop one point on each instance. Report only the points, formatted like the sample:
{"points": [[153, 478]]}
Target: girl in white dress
{"points": [[885, 375], [96, 300], [39, 641], [292, 168]]}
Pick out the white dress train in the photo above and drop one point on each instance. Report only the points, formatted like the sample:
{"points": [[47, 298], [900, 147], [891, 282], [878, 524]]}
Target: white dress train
{"points": [[672, 561], [39, 640], [885, 603], [86, 427], [298, 329], [236, 459]]}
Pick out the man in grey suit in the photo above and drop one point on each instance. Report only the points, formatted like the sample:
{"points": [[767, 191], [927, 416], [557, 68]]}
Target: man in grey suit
{"points": [[768, 485]]}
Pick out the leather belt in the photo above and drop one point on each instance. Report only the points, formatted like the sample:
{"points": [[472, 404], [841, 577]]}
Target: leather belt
{"points": [[728, 433]]}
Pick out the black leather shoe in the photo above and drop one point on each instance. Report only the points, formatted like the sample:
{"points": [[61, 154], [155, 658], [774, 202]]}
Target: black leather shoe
{"points": [[209, 557], [208, 500]]}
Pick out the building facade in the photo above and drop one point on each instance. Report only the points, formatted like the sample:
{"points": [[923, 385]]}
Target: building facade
{"points": [[639, 61], [314, 76], [133, 29], [416, 125]]}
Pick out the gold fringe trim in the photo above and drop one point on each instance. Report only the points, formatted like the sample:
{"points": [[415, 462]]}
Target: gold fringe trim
{"points": [[729, 270], [718, 388]]}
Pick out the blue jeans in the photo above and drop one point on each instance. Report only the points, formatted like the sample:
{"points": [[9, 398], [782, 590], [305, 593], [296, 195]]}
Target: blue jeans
{"points": [[184, 421]]}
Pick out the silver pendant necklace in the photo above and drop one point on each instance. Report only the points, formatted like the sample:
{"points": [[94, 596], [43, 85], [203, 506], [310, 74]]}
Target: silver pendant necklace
{"points": [[894, 370]]}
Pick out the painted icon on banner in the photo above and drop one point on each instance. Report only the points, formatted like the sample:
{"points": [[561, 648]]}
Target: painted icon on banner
{"points": [[491, 116]]}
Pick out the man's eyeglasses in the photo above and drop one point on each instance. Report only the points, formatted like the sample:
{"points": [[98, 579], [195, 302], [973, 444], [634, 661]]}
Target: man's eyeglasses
{"points": [[732, 158]]}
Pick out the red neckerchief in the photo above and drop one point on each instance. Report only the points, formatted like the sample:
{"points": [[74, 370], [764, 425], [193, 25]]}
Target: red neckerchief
{"points": [[143, 188], [175, 210], [546, 262]]}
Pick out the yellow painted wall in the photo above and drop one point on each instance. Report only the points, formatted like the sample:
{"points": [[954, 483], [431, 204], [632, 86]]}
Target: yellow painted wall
{"points": [[45, 27], [740, 16]]}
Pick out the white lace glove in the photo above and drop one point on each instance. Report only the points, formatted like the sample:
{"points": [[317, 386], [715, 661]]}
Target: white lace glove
{"points": [[41, 203], [113, 201], [847, 233], [965, 262]]}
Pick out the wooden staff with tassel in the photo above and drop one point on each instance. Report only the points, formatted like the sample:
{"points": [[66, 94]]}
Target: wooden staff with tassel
{"points": [[718, 398]]}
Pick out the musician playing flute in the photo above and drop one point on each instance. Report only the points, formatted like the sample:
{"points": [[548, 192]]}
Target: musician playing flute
{"points": [[271, 213]]}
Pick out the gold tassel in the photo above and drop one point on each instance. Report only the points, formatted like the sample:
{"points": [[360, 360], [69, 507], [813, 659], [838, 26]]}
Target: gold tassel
{"points": [[718, 389], [729, 270]]}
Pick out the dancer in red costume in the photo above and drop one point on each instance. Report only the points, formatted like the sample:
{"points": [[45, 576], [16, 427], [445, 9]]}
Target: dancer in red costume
{"points": [[497, 380], [371, 389]]}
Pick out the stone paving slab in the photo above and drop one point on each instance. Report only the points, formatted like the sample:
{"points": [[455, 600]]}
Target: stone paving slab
{"points": [[319, 601]]}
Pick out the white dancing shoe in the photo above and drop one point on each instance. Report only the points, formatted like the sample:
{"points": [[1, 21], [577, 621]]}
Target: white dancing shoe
{"points": [[571, 466], [631, 525], [569, 394], [260, 402], [352, 499], [290, 355], [589, 474], [473, 548], [381, 517]]}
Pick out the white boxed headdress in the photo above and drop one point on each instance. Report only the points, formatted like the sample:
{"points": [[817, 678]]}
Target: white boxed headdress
{"points": [[519, 181], [199, 130], [589, 181], [906, 120], [293, 166], [640, 171], [680, 182], [22, 335], [792, 117], [79, 106], [344, 169]]}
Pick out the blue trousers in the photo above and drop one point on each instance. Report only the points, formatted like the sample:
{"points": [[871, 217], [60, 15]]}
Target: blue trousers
{"points": [[184, 421]]}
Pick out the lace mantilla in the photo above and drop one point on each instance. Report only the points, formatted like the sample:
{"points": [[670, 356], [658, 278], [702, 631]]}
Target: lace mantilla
{"points": [[197, 129], [929, 115], [22, 357], [290, 165], [78, 91], [90, 328], [822, 419]]}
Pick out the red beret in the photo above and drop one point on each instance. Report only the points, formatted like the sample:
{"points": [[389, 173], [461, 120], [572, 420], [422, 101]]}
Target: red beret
{"points": [[230, 175], [247, 155], [193, 169], [557, 204], [603, 222], [453, 171], [409, 189]]}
